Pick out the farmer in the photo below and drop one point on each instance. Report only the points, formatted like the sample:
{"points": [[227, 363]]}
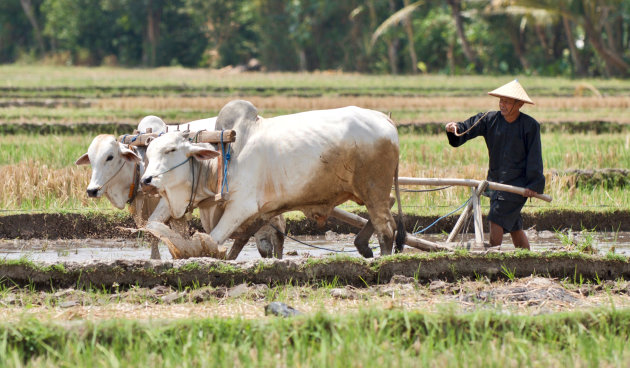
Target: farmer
{"points": [[513, 141]]}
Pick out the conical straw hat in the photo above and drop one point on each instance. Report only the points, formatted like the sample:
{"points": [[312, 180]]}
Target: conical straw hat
{"points": [[512, 90]]}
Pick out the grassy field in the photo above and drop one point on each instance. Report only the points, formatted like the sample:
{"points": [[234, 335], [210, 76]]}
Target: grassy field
{"points": [[404, 110], [464, 323], [38, 172], [372, 338], [33, 76]]}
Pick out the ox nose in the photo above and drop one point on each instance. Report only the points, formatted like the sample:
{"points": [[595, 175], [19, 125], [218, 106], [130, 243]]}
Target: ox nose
{"points": [[92, 192], [147, 180]]}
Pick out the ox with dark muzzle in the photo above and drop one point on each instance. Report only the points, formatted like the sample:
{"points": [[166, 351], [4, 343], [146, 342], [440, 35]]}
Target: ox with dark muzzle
{"points": [[312, 162]]}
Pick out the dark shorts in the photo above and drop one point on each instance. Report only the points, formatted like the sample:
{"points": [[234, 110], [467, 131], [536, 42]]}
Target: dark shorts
{"points": [[507, 214]]}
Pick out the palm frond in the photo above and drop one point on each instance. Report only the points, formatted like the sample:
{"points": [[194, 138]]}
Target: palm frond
{"points": [[394, 19]]}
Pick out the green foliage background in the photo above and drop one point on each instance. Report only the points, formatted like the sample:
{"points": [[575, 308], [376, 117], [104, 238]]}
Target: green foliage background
{"points": [[534, 37]]}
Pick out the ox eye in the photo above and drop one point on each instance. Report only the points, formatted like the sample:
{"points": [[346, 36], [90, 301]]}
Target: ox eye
{"points": [[109, 158]]}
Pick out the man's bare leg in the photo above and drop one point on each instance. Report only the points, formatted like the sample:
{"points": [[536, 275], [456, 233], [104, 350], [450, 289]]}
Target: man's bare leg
{"points": [[519, 238], [496, 234]]}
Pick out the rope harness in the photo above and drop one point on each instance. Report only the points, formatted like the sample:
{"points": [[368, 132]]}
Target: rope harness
{"points": [[195, 186], [116, 173], [133, 188], [226, 161], [469, 129], [196, 178], [315, 246]]}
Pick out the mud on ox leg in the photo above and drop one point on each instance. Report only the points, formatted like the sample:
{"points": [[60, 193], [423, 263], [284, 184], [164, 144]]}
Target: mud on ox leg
{"points": [[230, 221], [362, 240], [269, 235]]}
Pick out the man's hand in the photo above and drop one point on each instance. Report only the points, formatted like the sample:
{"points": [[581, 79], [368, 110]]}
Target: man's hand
{"points": [[451, 127], [529, 193]]}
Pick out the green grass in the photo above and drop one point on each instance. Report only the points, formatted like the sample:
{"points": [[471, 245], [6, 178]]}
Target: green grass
{"points": [[54, 151], [370, 338], [28, 161], [561, 151], [33, 76]]}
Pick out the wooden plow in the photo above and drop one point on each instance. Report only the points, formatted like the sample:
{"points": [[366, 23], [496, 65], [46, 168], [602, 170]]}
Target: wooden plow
{"points": [[477, 187]]}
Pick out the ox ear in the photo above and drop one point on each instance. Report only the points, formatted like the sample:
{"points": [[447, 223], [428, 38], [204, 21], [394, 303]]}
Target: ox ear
{"points": [[202, 153], [83, 160], [128, 154]]}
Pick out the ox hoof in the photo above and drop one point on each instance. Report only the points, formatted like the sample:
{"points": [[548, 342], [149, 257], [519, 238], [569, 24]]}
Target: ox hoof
{"points": [[209, 248]]}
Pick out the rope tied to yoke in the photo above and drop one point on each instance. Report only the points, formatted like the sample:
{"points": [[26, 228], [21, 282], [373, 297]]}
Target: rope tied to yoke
{"points": [[195, 183], [135, 184], [226, 161]]}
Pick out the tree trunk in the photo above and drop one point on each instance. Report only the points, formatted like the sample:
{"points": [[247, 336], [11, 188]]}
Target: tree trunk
{"points": [[614, 62], [153, 33], [514, 34], [459, 28], [302, 58], [540, 33], [450, 56], [392, 53], [410, 37], [568, 31], [30, 14]]}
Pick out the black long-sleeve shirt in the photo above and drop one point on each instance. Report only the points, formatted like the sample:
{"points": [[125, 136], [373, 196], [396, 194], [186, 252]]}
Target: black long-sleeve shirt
{"points": [[513, 148]]}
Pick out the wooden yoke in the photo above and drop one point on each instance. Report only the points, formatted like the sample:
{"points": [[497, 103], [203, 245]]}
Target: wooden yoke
{"points": [[203, 136]]}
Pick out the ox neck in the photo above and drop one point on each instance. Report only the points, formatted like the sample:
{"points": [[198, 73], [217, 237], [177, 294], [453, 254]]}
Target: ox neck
{"points": [[203, 182], [117, 189]]}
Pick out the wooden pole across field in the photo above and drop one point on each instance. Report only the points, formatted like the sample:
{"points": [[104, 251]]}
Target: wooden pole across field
{"points": [[468, 183]]}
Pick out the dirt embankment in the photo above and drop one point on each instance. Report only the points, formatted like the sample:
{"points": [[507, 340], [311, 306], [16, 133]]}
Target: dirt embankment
{"points": [[342, 270], [79, 226]]}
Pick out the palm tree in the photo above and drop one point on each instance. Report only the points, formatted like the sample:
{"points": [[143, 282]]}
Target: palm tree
{"points": [[30, 14], [403, 15], [595, 17]]}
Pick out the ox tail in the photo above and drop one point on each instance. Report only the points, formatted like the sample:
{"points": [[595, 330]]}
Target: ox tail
{"points": [[401, 233]]}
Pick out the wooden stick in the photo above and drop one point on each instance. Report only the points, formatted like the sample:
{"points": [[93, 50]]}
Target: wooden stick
{"points": [[460, 222], [477, 218], [468, 183], [204, 136], [412, 241]]}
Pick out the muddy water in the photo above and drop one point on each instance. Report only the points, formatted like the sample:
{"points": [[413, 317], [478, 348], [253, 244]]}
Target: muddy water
{"points": [[114, 249]]}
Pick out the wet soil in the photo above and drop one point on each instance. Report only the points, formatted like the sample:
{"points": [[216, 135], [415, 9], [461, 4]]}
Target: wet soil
{"points": [[78, 226]]}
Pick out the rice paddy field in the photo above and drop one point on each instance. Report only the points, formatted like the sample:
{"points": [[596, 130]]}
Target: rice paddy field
{"points": [[49, 116]]}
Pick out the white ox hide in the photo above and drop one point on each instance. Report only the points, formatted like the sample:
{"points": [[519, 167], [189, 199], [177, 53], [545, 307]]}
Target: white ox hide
{"points": [[311, 161], [115, 175]]}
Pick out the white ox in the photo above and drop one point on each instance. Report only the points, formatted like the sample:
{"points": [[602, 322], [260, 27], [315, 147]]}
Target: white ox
{"points": [[311, 161], [116, 170]]}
